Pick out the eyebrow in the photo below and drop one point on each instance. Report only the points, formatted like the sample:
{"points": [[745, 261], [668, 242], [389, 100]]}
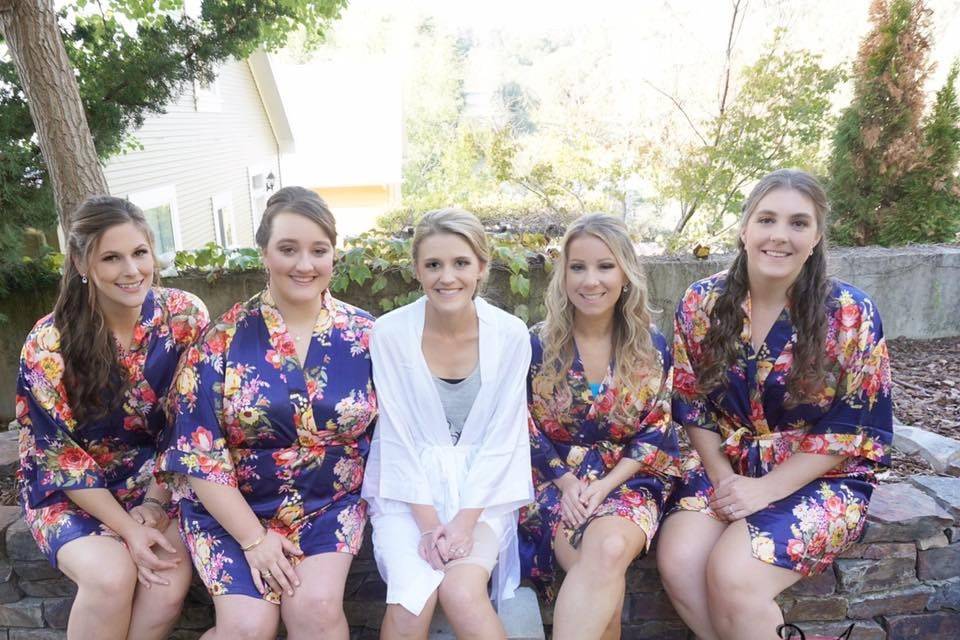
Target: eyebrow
{"points": [[297, 241], [112, 251], [805, 214]]}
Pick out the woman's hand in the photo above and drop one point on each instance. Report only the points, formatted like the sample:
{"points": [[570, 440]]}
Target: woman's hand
{"points": [[572, 510], [151, 515], [269, 566], [736, 497], [594, 494], [431, 541], [140, 540], [458, 535]]}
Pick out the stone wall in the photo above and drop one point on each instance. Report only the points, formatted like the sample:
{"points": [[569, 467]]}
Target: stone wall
{"points": [[902, 582], [917, 290]]}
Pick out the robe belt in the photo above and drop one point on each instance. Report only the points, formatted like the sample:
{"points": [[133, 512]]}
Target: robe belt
{"points": [[749, 455], [580, 452], [446, 469]]}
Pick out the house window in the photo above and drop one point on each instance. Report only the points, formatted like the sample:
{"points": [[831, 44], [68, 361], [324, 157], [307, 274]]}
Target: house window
{"points": [[262, 184], [224, 225], [160, 209]]}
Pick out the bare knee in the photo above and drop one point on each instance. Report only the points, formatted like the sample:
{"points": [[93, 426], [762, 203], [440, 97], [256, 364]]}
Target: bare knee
{"points": [[314, 609], [461, 598], [612, 554], [405, 624], [111, 581], [731, 594]]}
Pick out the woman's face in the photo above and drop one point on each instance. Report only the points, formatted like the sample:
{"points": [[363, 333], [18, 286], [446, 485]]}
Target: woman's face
{"points": [[298, 259], [448, 270], [121, 267], [593, 278], [779, 236]]}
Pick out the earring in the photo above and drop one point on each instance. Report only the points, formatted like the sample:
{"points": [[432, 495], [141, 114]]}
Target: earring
{"points": [[83, 278], [626, 288]]}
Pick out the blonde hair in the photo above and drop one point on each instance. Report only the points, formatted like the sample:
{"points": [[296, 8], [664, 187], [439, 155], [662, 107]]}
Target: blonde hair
{"points": [[456, 222], [632, 341]]}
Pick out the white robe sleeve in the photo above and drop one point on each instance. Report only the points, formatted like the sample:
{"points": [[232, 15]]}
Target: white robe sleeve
{"points": [[499, 480]]}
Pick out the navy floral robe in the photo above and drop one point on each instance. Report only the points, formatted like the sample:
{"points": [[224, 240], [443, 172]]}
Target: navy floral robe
{"points": [[118, 452], [578, 434], [293, 439], [852, 418]]}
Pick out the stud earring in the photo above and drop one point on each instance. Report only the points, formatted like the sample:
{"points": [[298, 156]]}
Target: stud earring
{"points": [[83, 278], [626, 288]]}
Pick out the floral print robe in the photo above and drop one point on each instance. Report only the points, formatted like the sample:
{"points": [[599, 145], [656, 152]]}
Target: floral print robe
{"points": [[578, 434], [852, 418], [292, 438], [117, 452]]}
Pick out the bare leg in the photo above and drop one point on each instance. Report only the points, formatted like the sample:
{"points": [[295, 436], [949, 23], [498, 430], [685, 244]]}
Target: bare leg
{"points": [[106, 579], [400, 624], [155, 610], [463, 596], [742, 589], [593, 589], [612, 632], [686, 540], [243, 618], [316, 608]]}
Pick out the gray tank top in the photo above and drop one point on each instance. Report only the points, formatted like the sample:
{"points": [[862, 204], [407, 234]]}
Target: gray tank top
{"points": [[457, 399]]}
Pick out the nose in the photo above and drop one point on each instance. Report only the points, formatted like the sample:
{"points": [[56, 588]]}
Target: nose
{"points": [[778, 233], [303, 263], [130, 266]]}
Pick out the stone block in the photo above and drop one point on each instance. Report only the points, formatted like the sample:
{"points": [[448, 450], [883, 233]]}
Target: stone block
{"points": [[56, 612], [946, 491], [185, 634], [880, 550], [9, 590], [941, 452], [863, 576], [8, 515], [520, 616], [910, 600], [862, 629], [902, 513], [655, 630], [934, 542], [20, 544], [819, 585], [945, 596], [939, 564], [641, 607], [27, 612], [953, 534], [35, 570], [923, 626], [643, 581], [9, 453], [61, 587], [372, 588], [832, 607], [37, 634], [196, 616], [368, 613]]}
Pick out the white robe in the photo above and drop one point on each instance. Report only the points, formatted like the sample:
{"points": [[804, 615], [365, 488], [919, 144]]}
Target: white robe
{"points": [[413, 461]]}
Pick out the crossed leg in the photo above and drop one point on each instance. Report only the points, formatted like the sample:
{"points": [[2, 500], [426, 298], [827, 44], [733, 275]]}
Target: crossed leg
{"points": [[591, 597], [155, 610]]}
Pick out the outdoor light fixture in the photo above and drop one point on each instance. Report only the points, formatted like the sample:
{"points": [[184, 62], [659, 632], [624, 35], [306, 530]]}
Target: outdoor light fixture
{"points": [[270, 181]]}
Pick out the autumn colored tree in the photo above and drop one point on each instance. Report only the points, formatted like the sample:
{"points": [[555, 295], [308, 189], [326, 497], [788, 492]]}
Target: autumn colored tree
{"points": [[892, 175]]}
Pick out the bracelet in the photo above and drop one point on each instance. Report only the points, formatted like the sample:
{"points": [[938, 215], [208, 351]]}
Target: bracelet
{"points": [[162, 505], [427, 533], [255, 542]]}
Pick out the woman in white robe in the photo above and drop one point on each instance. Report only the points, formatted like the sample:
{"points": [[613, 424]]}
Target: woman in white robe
{"points": [[444, 492]]}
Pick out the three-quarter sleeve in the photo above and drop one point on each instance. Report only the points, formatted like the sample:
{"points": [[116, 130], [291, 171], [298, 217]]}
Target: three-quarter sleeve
{"points": [[197, 443], [690, 407], [543, 455], [859, 422], [655, 444]]}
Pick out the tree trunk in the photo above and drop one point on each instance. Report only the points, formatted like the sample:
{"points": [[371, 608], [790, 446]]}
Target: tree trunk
{"points": [[33, 38]]}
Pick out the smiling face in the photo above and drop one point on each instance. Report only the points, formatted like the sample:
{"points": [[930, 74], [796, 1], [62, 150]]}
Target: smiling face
{"points": [[448, 270], [121, 267], [299, 259], [593, 279], [779, 236]]}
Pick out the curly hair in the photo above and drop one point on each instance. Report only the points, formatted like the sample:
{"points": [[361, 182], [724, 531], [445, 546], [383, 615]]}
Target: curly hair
{"points": [[93, 378], [807, 300], [632, 341]]}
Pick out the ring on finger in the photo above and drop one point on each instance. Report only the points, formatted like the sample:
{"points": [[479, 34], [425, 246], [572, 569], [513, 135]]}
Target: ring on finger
{"points": [[266, 574], [730, 510]]}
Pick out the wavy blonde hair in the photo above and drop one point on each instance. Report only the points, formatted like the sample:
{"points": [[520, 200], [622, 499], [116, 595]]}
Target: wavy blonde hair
{"points": [[632, 341]]}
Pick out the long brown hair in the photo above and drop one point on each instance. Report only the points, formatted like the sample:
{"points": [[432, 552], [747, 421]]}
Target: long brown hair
{"points": [[632, 340], [807, 300], [93, 378]]}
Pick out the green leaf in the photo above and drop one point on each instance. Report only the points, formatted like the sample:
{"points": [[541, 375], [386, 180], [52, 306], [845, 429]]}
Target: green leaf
{"points": [[520, 285], [522, 312], [378, 284]]}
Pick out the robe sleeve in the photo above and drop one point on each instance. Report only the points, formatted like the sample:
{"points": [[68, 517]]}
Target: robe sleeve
{"points": [[690, 407], [499, 479], [51, 460], [543, 455], [655, 444], [198, 444], [859, 422], [393, 471]]}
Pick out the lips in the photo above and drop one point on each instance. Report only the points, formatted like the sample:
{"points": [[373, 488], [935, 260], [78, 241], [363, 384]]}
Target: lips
{"points": [[777, 254], [592, 297], [130, 287], [303, 280]]}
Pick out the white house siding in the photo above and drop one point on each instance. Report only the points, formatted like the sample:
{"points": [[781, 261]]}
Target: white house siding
{"points": [[202, 154]]}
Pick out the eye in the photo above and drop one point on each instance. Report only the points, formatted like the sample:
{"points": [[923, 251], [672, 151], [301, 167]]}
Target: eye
{"points": [[431, 264], [801, 223], [110, 258], [606, 266], [463, 262], [287, 251], [320, 252], [140, 253], [576, 267], [764, 220]]}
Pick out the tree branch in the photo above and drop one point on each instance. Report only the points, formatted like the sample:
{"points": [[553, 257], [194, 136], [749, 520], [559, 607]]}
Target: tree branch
{"points": [[680, 108]]}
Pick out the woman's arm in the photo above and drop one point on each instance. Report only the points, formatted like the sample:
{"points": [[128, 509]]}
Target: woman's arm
{"points": [[266, 550], [708, 445]]}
